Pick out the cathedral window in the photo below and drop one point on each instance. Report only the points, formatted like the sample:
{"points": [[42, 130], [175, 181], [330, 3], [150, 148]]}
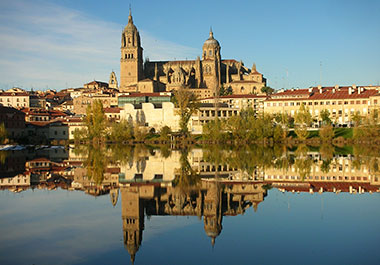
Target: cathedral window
{"points": [[129, 40], [132, 56]]}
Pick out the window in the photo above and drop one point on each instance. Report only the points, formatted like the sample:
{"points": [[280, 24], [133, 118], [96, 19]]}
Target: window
{"points": [[358, 102], [364, 102], [375, 101], [333, 103], [279, 104], [327, 102], [274, 104], [352, 102], [285, 104], [321, 103], [339, 102], [346, 102], [310, 103], [315, 103], [298, 103]]}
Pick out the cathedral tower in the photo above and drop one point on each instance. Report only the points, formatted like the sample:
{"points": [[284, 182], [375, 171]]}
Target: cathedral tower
{"points": [[211, 62], [131, 61]]}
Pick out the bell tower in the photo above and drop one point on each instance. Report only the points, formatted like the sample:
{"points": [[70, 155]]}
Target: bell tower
{"points": [[211, 63], [131, 61]]}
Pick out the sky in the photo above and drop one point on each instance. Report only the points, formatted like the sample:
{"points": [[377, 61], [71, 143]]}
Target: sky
{"points": [[60, 43]]}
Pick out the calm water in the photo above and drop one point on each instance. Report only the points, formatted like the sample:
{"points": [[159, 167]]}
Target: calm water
{"points": [[152, 206]]}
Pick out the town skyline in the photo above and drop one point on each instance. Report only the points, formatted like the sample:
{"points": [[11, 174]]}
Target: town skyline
{"points": [[59, 44]]}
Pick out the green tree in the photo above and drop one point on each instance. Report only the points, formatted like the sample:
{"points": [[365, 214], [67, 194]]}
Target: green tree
{"points": [[214, 130], [186, 103], [165, 133], [325, 117], [3, 133], [95, 121], [267, 90], [121, 131], [225, 91], [302, 121], [357, 119]]}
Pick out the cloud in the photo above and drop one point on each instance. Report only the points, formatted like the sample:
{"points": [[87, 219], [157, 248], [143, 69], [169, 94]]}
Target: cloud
{"points": [[47, 45]]}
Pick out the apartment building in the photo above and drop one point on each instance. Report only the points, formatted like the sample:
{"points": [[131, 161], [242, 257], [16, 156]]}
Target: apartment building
{"points": [[341, 102]]}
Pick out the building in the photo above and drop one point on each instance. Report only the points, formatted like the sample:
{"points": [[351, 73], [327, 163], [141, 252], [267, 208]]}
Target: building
{"points": [[341, 102], [153, 115], [80, 103], [203, 76], [14, 121], [158, 115], [15, 97]]}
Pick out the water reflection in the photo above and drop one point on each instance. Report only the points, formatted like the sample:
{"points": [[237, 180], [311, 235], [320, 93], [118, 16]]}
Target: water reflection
{"points": [[208, 183]]}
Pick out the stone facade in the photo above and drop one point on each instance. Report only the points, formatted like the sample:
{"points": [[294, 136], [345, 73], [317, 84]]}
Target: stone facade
{"points": [[204, 76]]}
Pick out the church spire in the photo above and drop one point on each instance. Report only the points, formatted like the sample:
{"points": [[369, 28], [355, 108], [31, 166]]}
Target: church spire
{"points": [[211, 33], [130, 19]]}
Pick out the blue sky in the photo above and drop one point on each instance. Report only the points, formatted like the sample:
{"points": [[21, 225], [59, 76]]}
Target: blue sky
{"points": [[60, 43]]}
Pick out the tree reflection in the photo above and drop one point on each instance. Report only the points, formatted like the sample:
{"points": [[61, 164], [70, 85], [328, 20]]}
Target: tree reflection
{"points": [[187, 178], [303, 162], [327, 153]]}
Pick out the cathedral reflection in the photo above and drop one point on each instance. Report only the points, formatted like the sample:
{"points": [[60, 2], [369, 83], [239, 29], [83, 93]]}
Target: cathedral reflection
{"points": [[212, 200]]}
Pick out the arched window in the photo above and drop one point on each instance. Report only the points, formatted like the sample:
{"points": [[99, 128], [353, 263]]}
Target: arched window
{"points": [[132, 56], [205, 53], [242, 89], [210, 52], [129, 40]]}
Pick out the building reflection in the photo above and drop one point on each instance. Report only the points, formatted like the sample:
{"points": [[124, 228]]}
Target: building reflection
{"points": [[151, 182], [211, 200]]}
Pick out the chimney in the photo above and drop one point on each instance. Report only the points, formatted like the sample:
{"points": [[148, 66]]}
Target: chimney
{"points": [[310, 89], [350, 90], [359, 90], [336, 87], [320, 89], [333, 90]]}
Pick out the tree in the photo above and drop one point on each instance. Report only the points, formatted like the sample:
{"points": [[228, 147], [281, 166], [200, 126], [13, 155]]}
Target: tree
{"points": [[302, 121], [165, 133], [95, 121], [225, 91], [121, 131], [325, 117], [214, 130], [3, 133], [267, 90], [326, 133], [186, 103]]}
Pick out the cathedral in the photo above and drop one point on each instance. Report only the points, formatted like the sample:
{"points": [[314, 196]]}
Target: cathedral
{"points": [[204, 76]]}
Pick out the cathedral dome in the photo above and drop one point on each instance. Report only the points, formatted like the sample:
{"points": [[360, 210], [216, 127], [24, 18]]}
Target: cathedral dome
{"points": [[211, 42], [130, 27]]}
